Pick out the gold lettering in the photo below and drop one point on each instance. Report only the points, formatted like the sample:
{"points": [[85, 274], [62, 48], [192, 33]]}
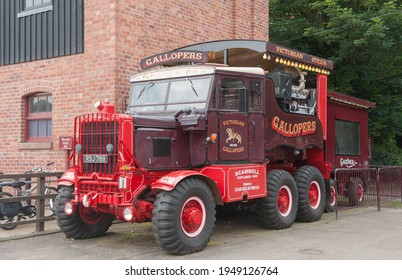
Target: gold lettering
{"points": [[293, 129], [233, 150], [275, 122], [233, 122], [313, 127], [281, 125], [300, 125], [319, 61], [291, 53]]}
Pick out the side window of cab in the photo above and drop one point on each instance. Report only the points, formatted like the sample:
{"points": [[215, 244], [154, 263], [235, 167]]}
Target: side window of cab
{"points": [[232, 95]]}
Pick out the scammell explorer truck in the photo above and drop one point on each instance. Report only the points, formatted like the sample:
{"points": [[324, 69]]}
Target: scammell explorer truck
{"points": [[202, 135]]}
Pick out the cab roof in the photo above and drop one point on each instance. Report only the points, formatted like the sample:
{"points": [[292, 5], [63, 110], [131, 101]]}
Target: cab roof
{"points": [[191, 71]]}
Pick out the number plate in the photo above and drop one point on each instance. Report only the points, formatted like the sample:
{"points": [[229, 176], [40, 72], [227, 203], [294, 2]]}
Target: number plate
{"points": [[95, 159]]}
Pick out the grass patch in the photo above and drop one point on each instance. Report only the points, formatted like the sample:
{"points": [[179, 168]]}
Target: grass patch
{"points": [[392, 204]]}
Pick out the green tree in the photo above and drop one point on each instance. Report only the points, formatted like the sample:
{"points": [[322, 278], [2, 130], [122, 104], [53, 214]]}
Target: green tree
{"points": [[363, 38]]}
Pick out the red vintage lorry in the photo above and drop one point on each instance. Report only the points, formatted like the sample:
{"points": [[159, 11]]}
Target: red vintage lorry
{"points": [[202, 135]]}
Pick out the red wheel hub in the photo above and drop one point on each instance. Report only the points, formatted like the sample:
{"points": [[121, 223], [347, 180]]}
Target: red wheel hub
{"points": [[88, 215], [284, 201], [193, 216], [314, 195], [360, 193]]}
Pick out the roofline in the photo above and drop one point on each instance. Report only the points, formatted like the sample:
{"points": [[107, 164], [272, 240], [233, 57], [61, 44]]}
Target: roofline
{"points": [[337, 97], [262, 47], [220, 45]]}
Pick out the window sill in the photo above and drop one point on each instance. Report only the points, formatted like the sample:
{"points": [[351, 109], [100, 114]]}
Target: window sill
{"points": [[34, 11], [36, 146]]}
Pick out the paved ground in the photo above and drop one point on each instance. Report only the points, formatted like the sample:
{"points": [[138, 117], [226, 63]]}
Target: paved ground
{"points": [[360, 234]]}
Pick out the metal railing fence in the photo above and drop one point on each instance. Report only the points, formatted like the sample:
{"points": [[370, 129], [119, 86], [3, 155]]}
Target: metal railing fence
{"points": [[36, 198], [367, 186]]}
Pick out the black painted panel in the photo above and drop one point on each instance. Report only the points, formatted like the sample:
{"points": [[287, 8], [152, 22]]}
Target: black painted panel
{"points": [[42, 35]]}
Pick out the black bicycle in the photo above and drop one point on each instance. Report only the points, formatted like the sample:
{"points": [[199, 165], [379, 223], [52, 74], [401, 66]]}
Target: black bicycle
{"points": [[17, 210]]}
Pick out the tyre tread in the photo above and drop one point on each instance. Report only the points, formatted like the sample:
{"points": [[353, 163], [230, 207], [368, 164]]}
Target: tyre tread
{"points": [[72, 225], [165, 214], [303, 177]]}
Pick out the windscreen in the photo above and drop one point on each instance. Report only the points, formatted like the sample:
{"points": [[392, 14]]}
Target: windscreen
{"points": [[170, 95]]}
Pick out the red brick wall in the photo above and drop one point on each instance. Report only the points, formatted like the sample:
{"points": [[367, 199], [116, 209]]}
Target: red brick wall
{"points": [[118, 34]]}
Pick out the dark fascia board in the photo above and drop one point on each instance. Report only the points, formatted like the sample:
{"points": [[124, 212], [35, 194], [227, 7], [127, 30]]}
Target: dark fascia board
{"points": [[349, 100], [216, 46]]}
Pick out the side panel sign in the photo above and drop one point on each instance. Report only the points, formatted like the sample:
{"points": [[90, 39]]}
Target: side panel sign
{"points": [[174, 57], [233, 137], [246, 180]]}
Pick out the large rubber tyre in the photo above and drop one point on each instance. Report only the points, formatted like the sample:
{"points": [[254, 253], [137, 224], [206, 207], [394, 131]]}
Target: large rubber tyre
{"points": [[356, 192], [84, 223], [8, 219], [184, 218], [311, 189], [330, 201], [279, 208]]}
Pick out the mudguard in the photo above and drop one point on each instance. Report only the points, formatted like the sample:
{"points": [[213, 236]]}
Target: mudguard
{"points": [[67, 179], [170, 180]]}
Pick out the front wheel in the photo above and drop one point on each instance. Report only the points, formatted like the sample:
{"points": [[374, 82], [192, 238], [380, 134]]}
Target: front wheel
{"points": [[184, 218], [278, 209], [84, 223]]}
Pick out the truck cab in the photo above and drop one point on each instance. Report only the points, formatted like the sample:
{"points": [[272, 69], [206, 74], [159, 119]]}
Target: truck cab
{"points": [[191, 116]]}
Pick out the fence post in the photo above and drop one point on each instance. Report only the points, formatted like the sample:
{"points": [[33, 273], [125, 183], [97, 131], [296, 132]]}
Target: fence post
{"points": [[377, 185], [400, 180], [40, 211], [336, 194]]}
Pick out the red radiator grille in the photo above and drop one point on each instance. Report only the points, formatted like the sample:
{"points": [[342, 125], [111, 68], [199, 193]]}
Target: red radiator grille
{"points": [[98, 134]]}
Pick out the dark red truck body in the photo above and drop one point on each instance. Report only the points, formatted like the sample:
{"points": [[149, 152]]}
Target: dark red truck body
{"points": [[205, 137]]}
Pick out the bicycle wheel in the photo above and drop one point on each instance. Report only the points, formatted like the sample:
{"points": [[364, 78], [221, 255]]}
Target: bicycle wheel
{"points": [[8, 212], [49, 202]]}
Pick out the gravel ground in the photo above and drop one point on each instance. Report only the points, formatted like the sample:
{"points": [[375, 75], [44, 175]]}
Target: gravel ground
{"points": [[357, 234]]}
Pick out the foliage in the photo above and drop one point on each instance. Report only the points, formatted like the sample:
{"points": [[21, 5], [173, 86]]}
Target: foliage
{"points": [[363, 38]]}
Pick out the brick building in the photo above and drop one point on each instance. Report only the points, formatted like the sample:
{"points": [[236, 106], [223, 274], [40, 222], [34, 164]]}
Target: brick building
{"points": [[57, 57]]}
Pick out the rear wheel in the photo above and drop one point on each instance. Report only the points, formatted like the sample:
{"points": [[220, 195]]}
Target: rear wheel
{"points": [[278, 209], [5, 217], [356, 192], [311, 190], [184, 218], [84, 223], [330, 202]]}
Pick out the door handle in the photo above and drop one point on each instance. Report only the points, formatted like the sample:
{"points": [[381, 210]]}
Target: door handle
{"points": [[252, 139]]}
